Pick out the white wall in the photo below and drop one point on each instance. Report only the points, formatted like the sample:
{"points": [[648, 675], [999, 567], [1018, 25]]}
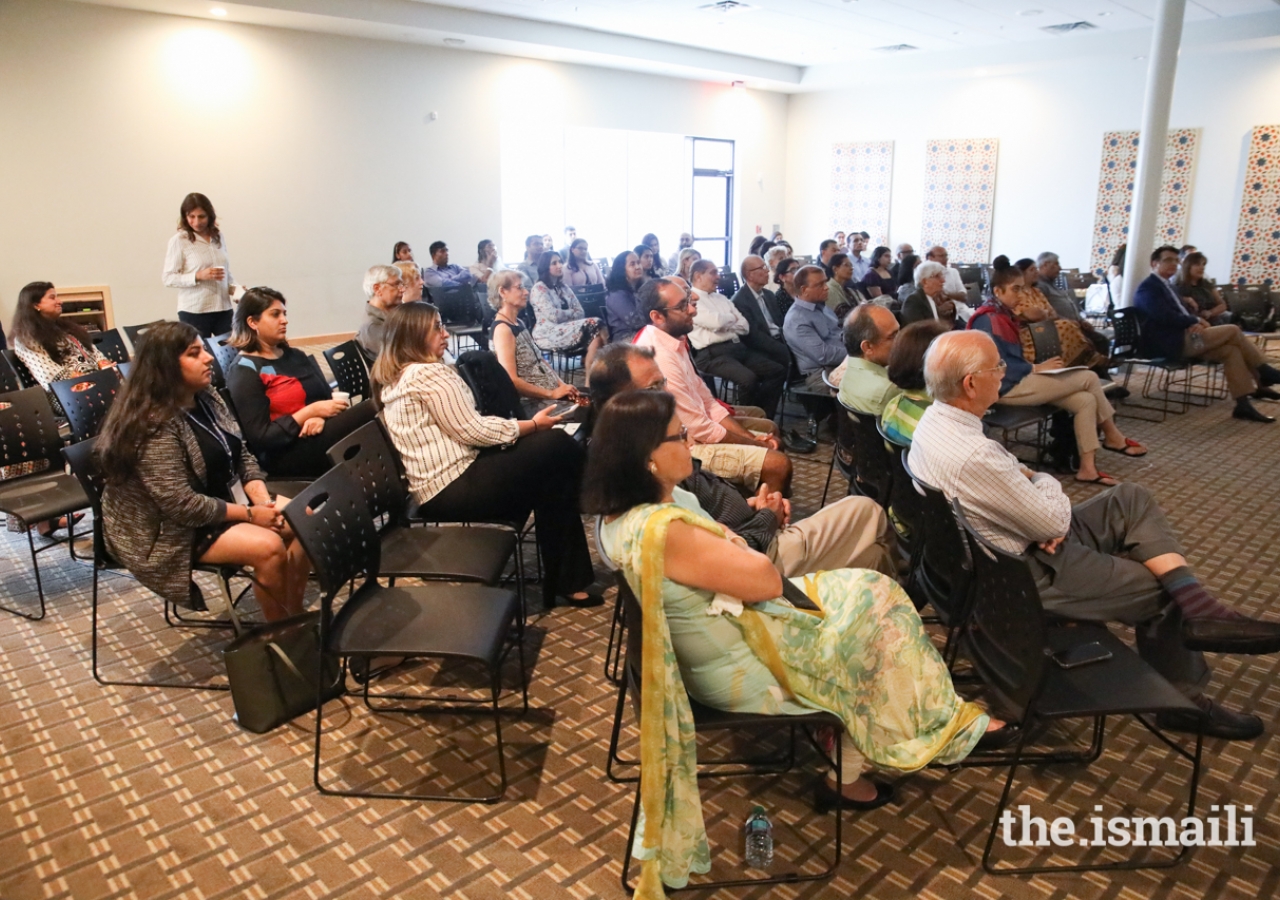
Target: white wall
{"points": [[1049, 118], [312, 148]]}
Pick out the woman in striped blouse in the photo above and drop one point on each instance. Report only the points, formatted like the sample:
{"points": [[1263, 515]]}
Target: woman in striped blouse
{"points": [[465, 467]]}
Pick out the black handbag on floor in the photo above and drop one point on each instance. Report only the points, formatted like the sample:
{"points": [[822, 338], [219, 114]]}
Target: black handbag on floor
{"points": [[272, 670]]}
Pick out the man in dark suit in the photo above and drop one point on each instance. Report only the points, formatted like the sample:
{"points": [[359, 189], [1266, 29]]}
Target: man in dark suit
{"points": [[1168, 331], [760, 308]]}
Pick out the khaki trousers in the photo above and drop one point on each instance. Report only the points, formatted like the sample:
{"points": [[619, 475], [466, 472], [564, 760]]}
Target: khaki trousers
{"points": [[1239, 356], [1080, 393], [852, 533]]}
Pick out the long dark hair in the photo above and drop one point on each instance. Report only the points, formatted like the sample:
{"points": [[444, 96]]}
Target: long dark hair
{"points": [[618, 273], [395, 251], [640, 250], [148, 398], [907, 268], [544, 269], [252, 305], [879, 252], [629, 428], [906, 359], [199, 201], [34, 330], [572, 261]]}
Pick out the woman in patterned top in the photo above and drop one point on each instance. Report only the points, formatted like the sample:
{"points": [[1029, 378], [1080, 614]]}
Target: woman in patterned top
{"points": [[52, 347], [465, 467], [561, 322], [533, 377], [906, 370]]}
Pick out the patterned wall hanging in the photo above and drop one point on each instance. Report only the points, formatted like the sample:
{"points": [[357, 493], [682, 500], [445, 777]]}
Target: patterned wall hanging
{"points": [[1257, 256], [959, 197], [1115, 192], [861, 182]]}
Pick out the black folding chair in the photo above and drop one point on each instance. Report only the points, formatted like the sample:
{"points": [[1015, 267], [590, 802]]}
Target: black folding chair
{"points": [[111, 345], [346, 361], [1011, 644], [618, 621], [592, 297], [707, 720], [224, 356], [29, 439], [85, 400], [458, 622], [941, 572], [80, 459], [8, 375], [135, 332], [905, 502], [1044, 337], [25, 378], [874, 478]]}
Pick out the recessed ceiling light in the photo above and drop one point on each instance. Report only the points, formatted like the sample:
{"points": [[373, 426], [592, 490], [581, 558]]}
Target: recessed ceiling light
{"points": [[954, 33], [1031, 12], [454, 42], [1104, 13], [1136, 58], [218, 11]]}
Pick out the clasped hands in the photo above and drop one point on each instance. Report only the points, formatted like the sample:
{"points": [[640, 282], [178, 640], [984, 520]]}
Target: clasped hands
{"points": [[1050, 546], [774, 502]]}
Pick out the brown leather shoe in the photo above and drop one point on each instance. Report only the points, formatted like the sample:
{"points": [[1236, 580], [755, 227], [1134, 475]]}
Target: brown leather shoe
{"points": [[1221, 722], [1231, 635]]}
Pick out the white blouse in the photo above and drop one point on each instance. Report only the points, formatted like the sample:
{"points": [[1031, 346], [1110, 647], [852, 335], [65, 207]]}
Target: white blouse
{"points": [[183, 259]]}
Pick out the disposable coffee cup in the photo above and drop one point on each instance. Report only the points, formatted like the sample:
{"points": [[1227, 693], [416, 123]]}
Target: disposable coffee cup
{"points": [[343, 396]]}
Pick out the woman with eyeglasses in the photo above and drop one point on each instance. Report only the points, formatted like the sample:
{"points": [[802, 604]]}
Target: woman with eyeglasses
{"points": [[1026, 384], [727, 637]]}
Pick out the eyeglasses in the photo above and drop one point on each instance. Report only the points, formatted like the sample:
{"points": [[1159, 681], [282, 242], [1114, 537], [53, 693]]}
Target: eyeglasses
{"points": [[682, 306], [659, 385], [682, 436], [999, 367]]}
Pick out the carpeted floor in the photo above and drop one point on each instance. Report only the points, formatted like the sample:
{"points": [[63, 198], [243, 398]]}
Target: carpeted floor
{"points": [[131, 792]]}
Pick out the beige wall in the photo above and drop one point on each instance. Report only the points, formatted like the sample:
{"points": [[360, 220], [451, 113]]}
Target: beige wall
{"points": [[312, 147]]}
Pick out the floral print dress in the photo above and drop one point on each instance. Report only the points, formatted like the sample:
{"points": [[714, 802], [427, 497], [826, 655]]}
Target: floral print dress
{"points": [[562, 322]]}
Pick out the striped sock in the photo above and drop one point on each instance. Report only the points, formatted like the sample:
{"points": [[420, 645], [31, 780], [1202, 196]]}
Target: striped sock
{"points": [[1195, 602]]}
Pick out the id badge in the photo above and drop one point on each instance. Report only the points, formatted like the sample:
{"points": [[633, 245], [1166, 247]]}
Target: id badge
{"points": [[238, 494]]}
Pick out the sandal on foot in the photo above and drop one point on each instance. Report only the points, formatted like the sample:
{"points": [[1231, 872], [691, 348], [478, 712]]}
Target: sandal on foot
{"points": [[1103, 479], [1129, 444]]}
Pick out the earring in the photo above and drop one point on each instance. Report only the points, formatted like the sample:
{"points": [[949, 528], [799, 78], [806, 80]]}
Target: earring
{"points": [[653, 467]]}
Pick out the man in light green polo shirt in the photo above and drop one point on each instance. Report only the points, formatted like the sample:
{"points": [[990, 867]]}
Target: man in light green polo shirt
{"points": [[868, 337]]}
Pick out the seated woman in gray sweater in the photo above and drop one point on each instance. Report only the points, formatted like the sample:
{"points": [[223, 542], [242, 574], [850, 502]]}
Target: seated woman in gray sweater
{"points": [[182, 487]]}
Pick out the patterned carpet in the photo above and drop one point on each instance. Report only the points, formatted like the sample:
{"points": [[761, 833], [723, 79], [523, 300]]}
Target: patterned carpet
{"points": [[129, 792]]}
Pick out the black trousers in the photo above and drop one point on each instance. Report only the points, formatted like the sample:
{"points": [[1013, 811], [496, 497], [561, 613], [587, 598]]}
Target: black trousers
{"points": [[760, 380], [542, 473], [307, 457], [208, 324], [774, 348]]}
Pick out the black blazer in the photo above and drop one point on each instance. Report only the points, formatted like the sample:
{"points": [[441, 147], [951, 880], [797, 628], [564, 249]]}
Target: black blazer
{"points": [[746, 303], [916, 308]]}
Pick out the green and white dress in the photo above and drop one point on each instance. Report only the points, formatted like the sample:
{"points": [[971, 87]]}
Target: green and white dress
{"points": [[866, 658]]}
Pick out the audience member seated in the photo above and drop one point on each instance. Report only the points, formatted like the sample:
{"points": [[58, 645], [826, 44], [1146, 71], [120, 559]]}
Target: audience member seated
{"points": [[851, 533], [620, 310], [579, 269], [878, 280], [411, 282], [904, 250], [401, 252], [903, 410], [785, 295], [659, 267], [283, 402], [739, 447], [684, 263], [730, 639], [826, 250], [1064, 303], [929, 300], [686, 241], [1027, 305], [953, 287], [869, 335], [54, 348], [534, 378], [905, 272], [528, 267], [384, 290], [570, 235], [860, 264], [719, 329], [486, 263], [646, 257], [1024, 384], [465, 467], [811, 328], [181, 487], [840, 297], [561, 323], [772, 257], [1111, 558], [440, 274], [1170, 332], [1190, 284], [759, 307]]}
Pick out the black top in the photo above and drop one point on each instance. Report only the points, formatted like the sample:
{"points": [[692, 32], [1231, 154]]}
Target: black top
{"points": [[267, 392], [220, 449], [888, 286]]}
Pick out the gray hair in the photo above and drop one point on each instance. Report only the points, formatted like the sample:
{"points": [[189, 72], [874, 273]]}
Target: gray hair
{"points": [[1045, 257], [928, 269], [950, 358], [775, 256], [860, 326], [379, 275], [499, 281]]}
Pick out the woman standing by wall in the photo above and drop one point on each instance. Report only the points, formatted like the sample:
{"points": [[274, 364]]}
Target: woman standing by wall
{"points": [[196, 264]]}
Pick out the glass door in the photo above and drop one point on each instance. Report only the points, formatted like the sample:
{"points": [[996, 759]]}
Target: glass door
{"points": [[712, 214]]}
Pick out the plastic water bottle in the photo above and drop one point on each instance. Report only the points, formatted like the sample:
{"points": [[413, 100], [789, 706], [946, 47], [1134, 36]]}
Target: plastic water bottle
{"points": [[758, 834]]}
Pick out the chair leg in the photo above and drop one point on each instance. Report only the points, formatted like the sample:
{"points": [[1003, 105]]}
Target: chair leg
{"points": [[613, 651], [613, 758], [830, 469], [35, 565]]}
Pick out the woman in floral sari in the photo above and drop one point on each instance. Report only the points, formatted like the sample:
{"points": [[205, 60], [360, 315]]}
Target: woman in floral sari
{"points": [[716, 630]]}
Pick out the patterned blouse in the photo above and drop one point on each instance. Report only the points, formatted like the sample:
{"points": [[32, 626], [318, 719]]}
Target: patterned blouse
{"points": [[530, 365], [561, 320], [432, 418], [81, 360]]}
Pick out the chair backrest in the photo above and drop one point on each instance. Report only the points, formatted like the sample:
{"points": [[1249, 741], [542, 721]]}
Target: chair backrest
{"points": [[1006, 637], [457, 305], [372, 463], [110, 344], [86, 399], [347, 363], [134, 332], [1250, 306], [124, 368], [941, 569], [1127, 333], [870, 457], [84, 467], [8, 377], [28, 429], [25, 378], [224, 355], [592, 297], [494, 391], [728, 284], [907, 502], [1044, 335], [332, 522], [632, 615]]}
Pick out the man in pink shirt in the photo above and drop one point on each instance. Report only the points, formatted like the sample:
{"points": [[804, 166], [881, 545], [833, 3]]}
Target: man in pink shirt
{"points": [[738, 448]]}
